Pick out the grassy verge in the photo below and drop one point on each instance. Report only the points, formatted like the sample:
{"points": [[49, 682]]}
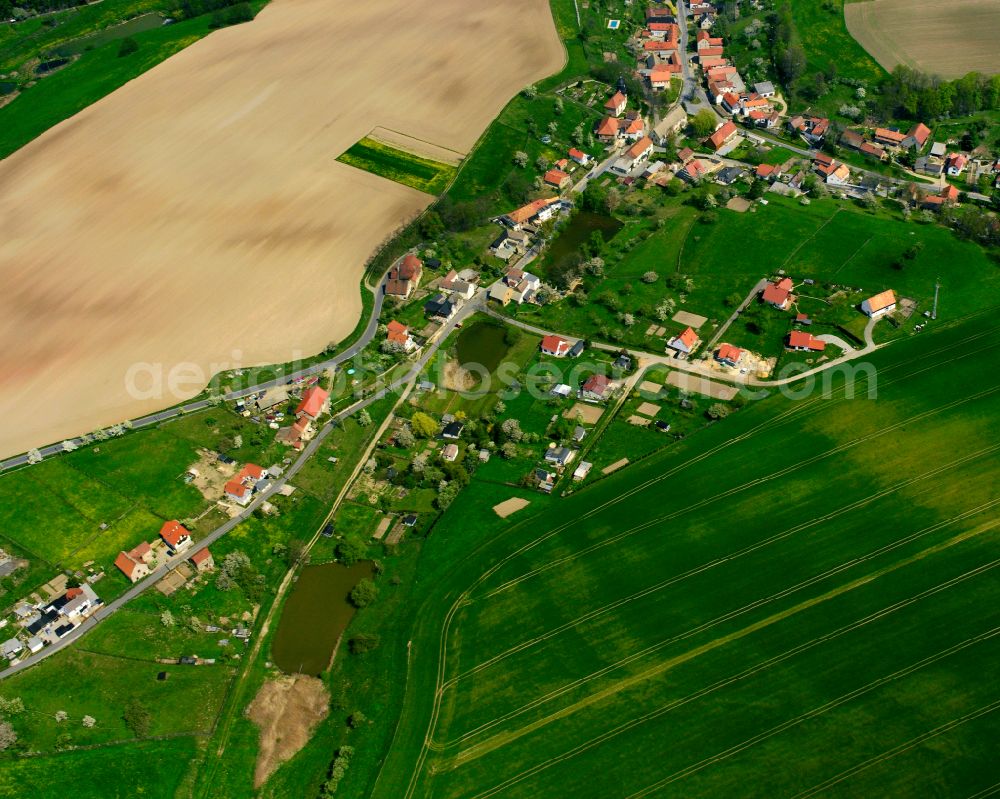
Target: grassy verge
{"points": [[95, 74], [422, 174]]}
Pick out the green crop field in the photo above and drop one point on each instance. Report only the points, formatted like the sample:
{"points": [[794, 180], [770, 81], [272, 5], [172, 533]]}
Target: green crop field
{"points": [[799, 599], [411, 170]]}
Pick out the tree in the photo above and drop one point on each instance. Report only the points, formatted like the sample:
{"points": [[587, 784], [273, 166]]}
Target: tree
{"points": [[520, 159], [423, 425], [34, 456], [8, 736], [529, 92], [557, 107], [791, 63], [167, 619], [11, 707], [298, 553], [405, 437], [356, 719], [703, 123], [650, 277], [364, 418], [349, 550], [364, 593], [127, 47], [512, 429], [612, 200], [137, 718], [717, 411], [89, 721], [508, 450]]}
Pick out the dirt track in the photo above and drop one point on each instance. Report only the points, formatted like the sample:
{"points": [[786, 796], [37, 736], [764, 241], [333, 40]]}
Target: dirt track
{"points": [[198, 215], [286, 710]]}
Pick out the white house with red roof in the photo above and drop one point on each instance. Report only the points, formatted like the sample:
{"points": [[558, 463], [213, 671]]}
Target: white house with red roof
{"points": [[596, 388], [556, 178], [240, 489], [725, 138], [616, 104], [176, 536], [801, 340], [685, 342], [881, 304], [556, 346], [955, 164], [728, 355], [134, 564], [314, 402], [203, 560], [778, 294], [579, 156], [399, 334]]}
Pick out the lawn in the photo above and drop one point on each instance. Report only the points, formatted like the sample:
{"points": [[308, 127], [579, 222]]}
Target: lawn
{"points": [[822, 32], [636, 616], [151, 769], [411, 170]]}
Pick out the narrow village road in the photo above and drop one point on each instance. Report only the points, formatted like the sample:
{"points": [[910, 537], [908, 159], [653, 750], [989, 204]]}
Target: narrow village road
{"points": [[170, 413], [112, 607]]}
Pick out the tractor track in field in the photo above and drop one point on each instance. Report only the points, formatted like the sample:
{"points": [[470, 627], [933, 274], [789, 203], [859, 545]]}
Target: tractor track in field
{"points": [[462, 598], [501, 739]]}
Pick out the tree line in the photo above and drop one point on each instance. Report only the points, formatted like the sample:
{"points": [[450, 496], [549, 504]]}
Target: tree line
{"points": [[912, 94]]}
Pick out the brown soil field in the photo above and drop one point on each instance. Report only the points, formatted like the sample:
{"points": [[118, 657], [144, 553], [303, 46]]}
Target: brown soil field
{"points": [[286, 710], [948, 39], [198, 215], [699, 385], [509, 506], [590, 414]]}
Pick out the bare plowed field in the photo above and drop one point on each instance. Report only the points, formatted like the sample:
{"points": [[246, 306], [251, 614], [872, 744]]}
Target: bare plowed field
{"points": [[198, 215], [947, 39]]}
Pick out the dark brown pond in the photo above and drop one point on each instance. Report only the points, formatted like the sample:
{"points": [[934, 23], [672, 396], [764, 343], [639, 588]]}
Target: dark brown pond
{"points": [[315, 616]]}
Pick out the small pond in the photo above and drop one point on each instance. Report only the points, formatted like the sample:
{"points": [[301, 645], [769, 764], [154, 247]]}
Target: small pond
{"points": [[315, 616], [146, 22], [572, 238], [483, 343]]}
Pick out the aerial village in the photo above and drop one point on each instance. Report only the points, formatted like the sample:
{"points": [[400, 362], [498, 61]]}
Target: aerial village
{"points": [[681, 122]]}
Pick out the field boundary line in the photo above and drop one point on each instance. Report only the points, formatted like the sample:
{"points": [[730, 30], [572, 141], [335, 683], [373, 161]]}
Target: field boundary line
{"points": [[450, 615], [821, 709], [501, 739], [743, 487], [730, 557], [888, 610], [614, 732]]}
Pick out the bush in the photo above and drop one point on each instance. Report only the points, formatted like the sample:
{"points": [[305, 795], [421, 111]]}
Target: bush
{"points": [[362, 643], [364, 593], [127, 47], [349, 551]]}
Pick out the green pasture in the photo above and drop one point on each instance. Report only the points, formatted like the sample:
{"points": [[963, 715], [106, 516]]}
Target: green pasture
{"points": [[151, 769], [411, 170], [823, 34], [809, 582]]}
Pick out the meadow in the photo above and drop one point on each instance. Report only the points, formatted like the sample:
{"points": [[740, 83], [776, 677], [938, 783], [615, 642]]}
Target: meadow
{"points": [[800, 599], [829, 48], [828, 241], [422, 174]]}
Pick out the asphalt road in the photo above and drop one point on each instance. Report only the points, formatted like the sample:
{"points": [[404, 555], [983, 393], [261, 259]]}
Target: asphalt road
{"points": [[476, 304], [171, 413]]}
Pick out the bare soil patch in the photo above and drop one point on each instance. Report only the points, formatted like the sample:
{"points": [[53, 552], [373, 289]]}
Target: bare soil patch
{"points": [[946, 39], [383, 525], [207, 219], [699, 385], [457, 378], [648, 409], [588, 413], [211, 475], [509, 506], [649, 387], [690, 319], [638, 421], [614, 467], [738, 204], [286, 710]]}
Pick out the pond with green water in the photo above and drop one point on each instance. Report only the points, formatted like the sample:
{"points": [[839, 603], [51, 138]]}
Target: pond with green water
{"points": [[315, 616], [482, 343]]}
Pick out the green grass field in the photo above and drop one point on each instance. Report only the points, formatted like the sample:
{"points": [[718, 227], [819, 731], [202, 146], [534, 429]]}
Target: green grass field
{"points": [[97, 73], [823, 34], [800, 599], [411, 170]]}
